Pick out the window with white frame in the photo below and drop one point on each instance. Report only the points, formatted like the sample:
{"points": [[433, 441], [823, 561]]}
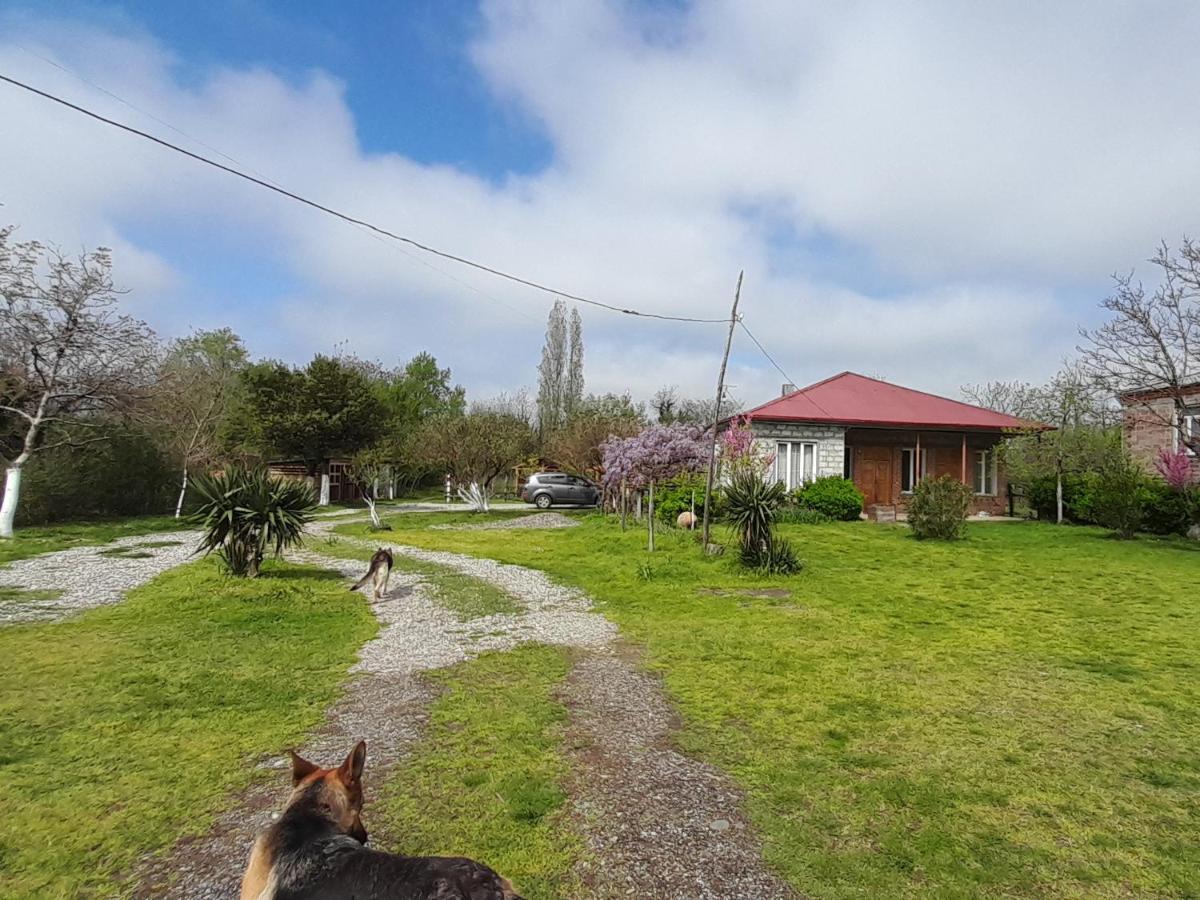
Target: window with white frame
{"points": [[1190, 432], [910, 472], [795, 463], [985, 472]]}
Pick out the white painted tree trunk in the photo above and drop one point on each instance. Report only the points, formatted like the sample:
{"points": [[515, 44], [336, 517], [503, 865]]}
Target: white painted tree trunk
{"points": [[324, 501], [650, 517], [182, 491], [8, 508], [474, 496], [374, 513], [1058, 497]]}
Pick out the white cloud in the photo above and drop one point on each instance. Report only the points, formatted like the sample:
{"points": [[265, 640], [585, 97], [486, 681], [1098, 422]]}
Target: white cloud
{"points": [[988, 161]]}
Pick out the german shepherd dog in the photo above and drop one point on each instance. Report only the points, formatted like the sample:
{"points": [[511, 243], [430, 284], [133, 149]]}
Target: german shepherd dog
{"points": [[378, 573], [316, 850]]}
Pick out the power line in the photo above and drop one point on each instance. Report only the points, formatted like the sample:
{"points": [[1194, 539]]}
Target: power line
{"points": [[348, 218], [99, 87], [778, 368]]}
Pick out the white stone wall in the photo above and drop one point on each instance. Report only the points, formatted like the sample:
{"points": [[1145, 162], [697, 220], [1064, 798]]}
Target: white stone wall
{"points": [[830, 441]]}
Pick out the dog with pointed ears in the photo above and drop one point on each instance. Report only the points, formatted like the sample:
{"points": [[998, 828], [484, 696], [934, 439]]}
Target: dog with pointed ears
{"points": [[378, 573], [316, 850]]}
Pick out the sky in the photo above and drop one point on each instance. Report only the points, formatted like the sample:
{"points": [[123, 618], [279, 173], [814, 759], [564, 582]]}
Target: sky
{"points": [[936, 193]]}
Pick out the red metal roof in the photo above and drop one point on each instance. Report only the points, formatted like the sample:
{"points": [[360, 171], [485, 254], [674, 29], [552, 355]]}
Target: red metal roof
{"points": [[853, 399]]}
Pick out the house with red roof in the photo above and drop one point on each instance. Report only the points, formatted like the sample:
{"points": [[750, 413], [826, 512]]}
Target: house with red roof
{"points": [[885, 438]]}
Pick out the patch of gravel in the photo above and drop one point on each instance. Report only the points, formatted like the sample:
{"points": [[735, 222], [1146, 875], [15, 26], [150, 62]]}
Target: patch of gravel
{"points": [[91, 576], [537, 520], [385, 703], [659, 824]]}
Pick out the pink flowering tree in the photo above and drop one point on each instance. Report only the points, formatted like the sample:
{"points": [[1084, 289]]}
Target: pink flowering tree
{"points": [[1176, 470], [653, 455], [740, 452]]}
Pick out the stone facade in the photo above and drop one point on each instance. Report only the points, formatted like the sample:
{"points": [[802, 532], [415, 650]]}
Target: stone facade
{"points": [[1147, 429], [830, 441]]}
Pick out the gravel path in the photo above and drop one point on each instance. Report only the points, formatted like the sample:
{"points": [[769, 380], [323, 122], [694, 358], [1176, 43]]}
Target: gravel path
{"points": [[91, 576], [386, 702], [658, 824], [536, 520]]}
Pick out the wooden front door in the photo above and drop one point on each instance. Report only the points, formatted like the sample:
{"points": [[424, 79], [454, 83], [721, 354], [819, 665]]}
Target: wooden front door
{"points": [[873, 474]]}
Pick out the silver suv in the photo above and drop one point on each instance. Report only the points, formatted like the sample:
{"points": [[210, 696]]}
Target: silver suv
{"points": [[546, 489]]}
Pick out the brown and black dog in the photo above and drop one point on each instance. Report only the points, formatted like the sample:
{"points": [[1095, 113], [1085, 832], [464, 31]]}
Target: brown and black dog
{"points": [[378, 573], [316, 850]]}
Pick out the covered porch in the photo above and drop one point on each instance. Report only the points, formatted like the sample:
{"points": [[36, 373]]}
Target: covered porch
{"points": [[885, 464]]}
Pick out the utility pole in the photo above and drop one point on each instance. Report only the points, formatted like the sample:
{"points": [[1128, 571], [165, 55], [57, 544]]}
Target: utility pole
{"points": [[712, 446]]}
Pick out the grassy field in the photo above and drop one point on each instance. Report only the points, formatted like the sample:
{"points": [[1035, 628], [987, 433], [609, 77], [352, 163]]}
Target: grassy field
{"points": [[1016, 714], [128, 726], [43, 539]]}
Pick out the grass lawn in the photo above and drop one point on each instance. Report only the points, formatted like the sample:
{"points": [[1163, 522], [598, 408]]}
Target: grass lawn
{"points": [[486, 781], [1015, 714], [128, 726], [45, 538]]}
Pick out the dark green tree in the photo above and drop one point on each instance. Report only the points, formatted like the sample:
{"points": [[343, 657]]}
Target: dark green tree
{"points": [[329, 407]]}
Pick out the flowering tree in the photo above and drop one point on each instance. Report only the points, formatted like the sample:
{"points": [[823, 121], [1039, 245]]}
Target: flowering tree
{"points": [[1176, 470], [655, 454], [739, 452]]}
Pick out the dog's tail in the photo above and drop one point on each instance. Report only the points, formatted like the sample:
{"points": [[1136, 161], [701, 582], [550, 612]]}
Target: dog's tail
{"points": [[362, 581]]}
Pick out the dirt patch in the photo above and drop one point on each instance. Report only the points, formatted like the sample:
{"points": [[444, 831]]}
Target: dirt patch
{"points": [[760, 593], [660, 825]]}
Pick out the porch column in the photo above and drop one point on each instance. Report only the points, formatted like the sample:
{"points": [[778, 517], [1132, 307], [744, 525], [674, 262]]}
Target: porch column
{"points": [[917, 473], [964, 459]]}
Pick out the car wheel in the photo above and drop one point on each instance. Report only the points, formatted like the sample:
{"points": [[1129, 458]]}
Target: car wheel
{"points": [[543, 501]]}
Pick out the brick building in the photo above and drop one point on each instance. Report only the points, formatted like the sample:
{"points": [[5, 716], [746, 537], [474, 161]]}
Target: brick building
{"points": [[1156, 420], [885, 438]]}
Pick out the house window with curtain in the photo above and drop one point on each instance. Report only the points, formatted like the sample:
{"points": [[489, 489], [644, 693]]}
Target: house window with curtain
{"points": [[985, 472], [795, 463], [910, 472]]}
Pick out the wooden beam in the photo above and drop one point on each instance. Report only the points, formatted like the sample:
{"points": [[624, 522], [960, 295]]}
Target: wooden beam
{"points": [[964, 459]]}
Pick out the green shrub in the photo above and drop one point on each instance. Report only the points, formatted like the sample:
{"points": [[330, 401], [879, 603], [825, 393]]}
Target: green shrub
{"points": [[1041, 494], [1166, 510], [779, 558], [800, 515], [1119, 496], [246, 511], [676, 497], [124, 475], [939, 509], [837, 498]]}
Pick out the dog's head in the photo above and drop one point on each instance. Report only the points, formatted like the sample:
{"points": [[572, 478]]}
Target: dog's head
{"points": [[337, 792]]}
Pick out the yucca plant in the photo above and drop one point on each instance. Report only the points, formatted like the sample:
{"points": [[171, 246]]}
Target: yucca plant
{"points": [[246, 512], [750, 506]]}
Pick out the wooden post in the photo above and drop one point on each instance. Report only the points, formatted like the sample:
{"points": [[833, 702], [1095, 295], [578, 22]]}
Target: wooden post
{"points": [[624, 503], [712, 445], [917, 463], [964, 459], [650, 517]]}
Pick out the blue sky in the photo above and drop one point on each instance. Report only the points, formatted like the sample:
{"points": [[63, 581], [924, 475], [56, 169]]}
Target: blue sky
{"points": [[933, 193], [408, 79]]}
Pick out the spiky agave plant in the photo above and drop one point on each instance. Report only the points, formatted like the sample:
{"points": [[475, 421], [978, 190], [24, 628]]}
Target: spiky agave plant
{"points": [[246, 512], [750, 504]]}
